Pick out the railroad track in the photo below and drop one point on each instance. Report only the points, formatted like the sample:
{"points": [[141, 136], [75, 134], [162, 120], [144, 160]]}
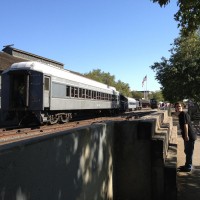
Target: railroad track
{"points": [[13, 134]]}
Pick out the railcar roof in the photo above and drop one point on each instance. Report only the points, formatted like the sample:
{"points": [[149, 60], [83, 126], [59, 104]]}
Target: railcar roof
{"points": [[58, 72], [131, 99]]}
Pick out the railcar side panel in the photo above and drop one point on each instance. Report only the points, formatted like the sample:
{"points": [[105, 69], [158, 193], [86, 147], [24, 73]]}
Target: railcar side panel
{"points": [[79, 104], [70, 97]]}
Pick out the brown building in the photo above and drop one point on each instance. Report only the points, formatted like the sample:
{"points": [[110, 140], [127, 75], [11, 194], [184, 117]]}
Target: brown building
{"points": [[10, 55]]}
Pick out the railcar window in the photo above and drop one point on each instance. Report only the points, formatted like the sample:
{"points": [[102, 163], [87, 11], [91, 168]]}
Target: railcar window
{"points": [[106, 98], [72, 91], [76, 92], [80, 93], [92, 94], [46, 83], [86, 94], [89, 94], [68, 91], [98, 95], [95, 94], [83, 96]]}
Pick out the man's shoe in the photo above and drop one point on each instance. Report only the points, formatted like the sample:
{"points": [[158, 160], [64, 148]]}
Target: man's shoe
{"points": [[184, 169], [181, 167]]}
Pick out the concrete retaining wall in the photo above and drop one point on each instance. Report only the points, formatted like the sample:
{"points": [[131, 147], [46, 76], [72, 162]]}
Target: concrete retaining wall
{"points": [[110, 160]]}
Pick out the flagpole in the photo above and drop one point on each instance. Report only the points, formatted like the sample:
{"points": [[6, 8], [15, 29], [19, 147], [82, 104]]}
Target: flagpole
{"points": [[146, 87], [144, 79]]}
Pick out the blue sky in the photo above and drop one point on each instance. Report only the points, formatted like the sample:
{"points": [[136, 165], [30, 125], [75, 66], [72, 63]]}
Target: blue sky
{"points": [[122, 37]]}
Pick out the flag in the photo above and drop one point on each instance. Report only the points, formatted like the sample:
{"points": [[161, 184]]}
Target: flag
{"points": [[144, 79]]}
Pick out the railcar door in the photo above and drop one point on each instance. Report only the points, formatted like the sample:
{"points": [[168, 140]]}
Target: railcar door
{"points": [[46, 91], [16, 90], [5, 95]]}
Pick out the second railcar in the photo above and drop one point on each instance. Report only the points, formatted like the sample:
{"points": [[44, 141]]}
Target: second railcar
{"points": [[50, 94], [132, 104], [153, 103], [128, 103]]}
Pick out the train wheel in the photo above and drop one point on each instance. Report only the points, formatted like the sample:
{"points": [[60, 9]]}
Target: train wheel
{"points": [[64, 118], [53, 119]]}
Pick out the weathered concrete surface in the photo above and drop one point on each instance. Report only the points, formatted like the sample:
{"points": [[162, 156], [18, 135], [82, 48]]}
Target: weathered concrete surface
{"points": [[70, 165], [110, 160]]}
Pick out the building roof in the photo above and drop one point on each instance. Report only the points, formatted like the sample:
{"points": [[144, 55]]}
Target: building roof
{"points": [[7, 60], [30, 56]]}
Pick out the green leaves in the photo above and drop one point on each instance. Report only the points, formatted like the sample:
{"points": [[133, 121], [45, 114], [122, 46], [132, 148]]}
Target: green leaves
{"points": [[108, 79], [188, 15], [161, 2], [180, 75]]}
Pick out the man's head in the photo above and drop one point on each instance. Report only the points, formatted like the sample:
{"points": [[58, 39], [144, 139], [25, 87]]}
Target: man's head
{"points": [[178, 107]]}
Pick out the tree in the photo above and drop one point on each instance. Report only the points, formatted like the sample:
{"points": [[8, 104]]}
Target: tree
{"points": [[123, 88], [137, 95], [180, 75], [157, 95], [188, 15], [108, 79], [102, 77]]}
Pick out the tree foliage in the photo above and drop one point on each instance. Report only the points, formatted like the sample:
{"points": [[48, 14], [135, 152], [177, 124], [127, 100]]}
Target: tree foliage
{"points": [[123, 88], [102, 77], [180, 74], [188, 15], [157, 95], [109, 79], [137, 95]]}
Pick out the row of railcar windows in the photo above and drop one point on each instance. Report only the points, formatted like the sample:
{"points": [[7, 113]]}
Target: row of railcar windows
{"points": [[88, 94], [132, 103]]}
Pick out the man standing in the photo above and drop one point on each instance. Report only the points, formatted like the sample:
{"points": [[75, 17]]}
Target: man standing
{"points": [[189, 137]]}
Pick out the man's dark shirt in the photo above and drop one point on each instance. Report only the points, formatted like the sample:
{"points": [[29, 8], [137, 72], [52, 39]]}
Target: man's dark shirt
{"points": [[184, 118]]}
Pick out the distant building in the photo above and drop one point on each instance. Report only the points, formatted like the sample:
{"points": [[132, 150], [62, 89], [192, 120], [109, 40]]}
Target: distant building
{"points": [[26, 56], [145, 93]]}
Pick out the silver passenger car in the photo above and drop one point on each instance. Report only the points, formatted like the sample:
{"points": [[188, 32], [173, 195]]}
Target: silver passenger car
{"points": [[50, 94]]}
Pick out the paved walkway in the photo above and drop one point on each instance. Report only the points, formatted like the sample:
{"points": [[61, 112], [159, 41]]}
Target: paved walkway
{"points": [[188, 184]]}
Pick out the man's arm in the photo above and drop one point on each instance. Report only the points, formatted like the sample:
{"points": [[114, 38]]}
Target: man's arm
{"points": [[186, 137]]}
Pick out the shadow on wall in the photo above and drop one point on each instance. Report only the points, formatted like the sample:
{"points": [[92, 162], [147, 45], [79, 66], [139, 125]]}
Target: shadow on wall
{"points": [[76, 165]]}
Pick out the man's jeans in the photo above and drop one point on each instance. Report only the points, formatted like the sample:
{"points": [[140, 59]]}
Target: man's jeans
{"points": [[189, 149]]}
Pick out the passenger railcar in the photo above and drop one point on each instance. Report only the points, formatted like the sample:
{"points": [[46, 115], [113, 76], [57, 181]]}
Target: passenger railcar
{"points": [[132, 104], [50, 94], [153, 103], [138, 104], [129, 104]]}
